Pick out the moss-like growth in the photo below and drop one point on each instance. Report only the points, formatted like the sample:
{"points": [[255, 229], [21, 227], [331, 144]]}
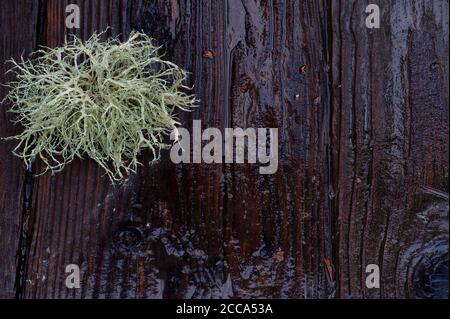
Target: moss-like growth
{"points": [[105, 99]]}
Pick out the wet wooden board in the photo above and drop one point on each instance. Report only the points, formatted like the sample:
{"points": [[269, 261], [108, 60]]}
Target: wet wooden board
{"points": [[18, 37], [363, 125], [389, 139]]}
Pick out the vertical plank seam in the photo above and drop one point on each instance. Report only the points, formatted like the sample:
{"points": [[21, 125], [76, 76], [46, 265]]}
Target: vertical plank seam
{"points": [[26, 220], [331, 176]]}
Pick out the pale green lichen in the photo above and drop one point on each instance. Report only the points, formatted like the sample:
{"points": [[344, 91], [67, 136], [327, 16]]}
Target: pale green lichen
{"points": [[108, 100]]}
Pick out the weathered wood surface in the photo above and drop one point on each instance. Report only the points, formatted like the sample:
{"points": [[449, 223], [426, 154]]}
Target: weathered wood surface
{"points": [[18, 36], [362, 129], [389, 139]]}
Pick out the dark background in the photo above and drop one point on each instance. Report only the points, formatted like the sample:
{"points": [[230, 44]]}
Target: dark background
{"points": [[363, 131]]}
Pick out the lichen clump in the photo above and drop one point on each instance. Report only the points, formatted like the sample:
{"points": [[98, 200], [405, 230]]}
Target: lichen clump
{"points": [[108, 100]]}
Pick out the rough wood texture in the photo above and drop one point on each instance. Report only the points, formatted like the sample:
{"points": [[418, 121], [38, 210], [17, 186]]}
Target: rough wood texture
{"points": [[390, 138], [363, 125], [18, 37]]}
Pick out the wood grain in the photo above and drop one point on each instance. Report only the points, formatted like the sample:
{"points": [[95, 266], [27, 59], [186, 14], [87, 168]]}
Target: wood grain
{"points": [[18, 22], [197, 230], [363, 127], [390, 138]]}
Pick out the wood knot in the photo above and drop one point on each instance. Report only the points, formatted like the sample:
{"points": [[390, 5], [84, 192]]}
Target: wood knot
{"points": [[435, 66], [431, 276], [209, 54], [302, 69], [129, 237], [246, 82]]}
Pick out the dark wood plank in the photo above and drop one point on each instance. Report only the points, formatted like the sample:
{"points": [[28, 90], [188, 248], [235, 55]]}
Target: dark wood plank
{"points": [[74, 211], [258, 236], [18, 22], [198, 230], [390, 138], [363, 123]]}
